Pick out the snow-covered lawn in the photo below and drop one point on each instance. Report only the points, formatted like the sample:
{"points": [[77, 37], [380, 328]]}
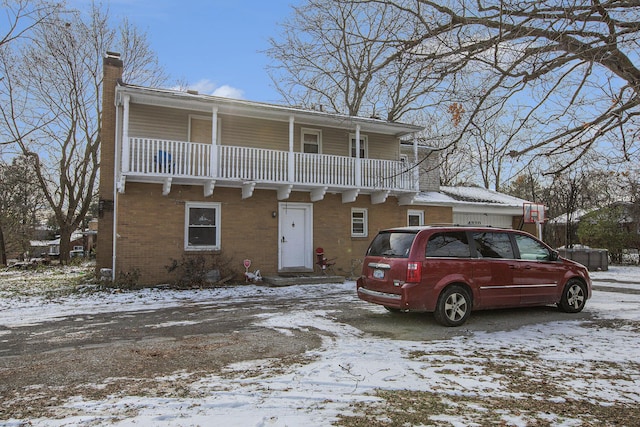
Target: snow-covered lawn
{"points": [[566, 373]]}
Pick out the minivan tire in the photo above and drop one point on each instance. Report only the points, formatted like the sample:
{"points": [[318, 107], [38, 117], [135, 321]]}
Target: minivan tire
{"points": [[574, 296], [454, 306]]}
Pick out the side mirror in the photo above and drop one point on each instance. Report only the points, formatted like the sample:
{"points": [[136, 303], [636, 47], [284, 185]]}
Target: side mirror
{"points": [[554, 256]]}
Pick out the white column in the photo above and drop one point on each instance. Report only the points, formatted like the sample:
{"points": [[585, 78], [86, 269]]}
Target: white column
{"points": [[213, 155], [416, 168], [125, 135], [291, 168], [358, 169]]}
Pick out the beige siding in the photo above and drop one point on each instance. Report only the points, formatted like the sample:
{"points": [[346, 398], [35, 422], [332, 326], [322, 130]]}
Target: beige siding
{"points": [[200, 130], [383, 147], [173, 124], [256, 133], [337, 142], [161, 123]]}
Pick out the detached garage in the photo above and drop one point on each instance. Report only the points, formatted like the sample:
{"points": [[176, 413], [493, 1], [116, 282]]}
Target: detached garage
{"points": [[479, 206]]}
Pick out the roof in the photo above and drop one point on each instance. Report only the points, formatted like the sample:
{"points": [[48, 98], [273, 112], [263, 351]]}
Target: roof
{"points": [[477, 194], [205, 103], [472, 199]]}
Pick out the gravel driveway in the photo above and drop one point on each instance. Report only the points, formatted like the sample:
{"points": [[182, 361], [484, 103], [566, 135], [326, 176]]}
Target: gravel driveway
{"points": [[97, 354]]}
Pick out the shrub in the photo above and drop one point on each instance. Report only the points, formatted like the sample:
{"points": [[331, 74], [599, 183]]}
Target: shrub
{"points": [[198, 271]]}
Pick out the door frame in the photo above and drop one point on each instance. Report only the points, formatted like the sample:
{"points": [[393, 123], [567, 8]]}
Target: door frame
{"points": [[307, 245]]}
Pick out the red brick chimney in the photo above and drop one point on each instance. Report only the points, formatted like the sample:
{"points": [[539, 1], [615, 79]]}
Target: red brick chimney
{"points": [[112, 73]]}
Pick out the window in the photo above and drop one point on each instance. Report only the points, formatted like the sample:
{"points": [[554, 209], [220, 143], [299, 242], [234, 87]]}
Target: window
{"points": [[453, 244], [311, 141], [202, 226], [415, 218], [531, 249], [359, 224], [493, 245], [363, 146], [394, 244]]}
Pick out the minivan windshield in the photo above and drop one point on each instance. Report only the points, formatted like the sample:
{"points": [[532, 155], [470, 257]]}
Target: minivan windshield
{"points": [[392, 244]]}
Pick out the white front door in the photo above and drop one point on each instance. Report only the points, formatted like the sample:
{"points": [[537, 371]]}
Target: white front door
{"points": [[295, 236]]}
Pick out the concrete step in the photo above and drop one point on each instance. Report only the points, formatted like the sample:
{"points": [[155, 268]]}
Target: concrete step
{"points": [[277, 281]]}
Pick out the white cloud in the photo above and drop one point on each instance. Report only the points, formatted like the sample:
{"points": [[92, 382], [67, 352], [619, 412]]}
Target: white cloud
{"points": [[206, 86]]}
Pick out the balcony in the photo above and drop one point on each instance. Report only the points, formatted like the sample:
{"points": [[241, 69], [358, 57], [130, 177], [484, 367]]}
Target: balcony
{"points": [[167, 162]]}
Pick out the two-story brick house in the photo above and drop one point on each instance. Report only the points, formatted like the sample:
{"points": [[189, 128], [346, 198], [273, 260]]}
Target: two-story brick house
{"points": [[185, 174]]}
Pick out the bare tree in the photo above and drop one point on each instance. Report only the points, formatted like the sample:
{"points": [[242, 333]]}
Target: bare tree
{"points": [[568, 68], [22, 16], [349, 58], [51, 104], [572, 64]]}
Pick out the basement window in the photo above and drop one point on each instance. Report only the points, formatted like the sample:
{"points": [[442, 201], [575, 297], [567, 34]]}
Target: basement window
{"points": [[202, 226]]}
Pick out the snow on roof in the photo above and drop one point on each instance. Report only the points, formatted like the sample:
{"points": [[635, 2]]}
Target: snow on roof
{"points": [[483, 195], [76, 235], [574, 217], [472, 199]]}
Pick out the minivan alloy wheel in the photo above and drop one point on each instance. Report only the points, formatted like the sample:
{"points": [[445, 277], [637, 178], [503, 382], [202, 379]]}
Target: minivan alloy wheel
{"points": [[574, 296], [454, 306]]}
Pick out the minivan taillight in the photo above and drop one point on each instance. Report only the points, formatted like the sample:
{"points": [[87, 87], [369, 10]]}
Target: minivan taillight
{"points": [[414, 272]]}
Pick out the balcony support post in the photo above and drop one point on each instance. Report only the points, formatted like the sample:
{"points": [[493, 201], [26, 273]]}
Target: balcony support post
{"points": [[284, 191], [358, 165], [166, 186], [379, 197], [213, 155], [247, 189], [208, 187], [350, 196], [125, 135], [317, 194], [291, 164]]}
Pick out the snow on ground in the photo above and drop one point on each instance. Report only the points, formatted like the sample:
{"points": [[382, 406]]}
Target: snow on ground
{"points": [[352, 366]]}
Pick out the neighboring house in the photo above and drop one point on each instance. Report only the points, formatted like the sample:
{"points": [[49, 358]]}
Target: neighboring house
{"points": [[185, 174], [51, 248], [563, 229]]}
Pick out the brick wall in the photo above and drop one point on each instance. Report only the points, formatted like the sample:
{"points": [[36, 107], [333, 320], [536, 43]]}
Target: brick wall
{"points": [[151, 228]]}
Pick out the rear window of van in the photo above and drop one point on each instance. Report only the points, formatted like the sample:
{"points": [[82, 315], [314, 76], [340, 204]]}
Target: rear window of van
{"points": [[392, 244]]}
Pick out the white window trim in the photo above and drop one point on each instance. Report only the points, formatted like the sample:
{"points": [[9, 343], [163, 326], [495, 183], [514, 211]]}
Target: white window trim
{"points": [[311, 131], [365, 220], [420, 214], [364, 143], [190, 205], [199, 117]]}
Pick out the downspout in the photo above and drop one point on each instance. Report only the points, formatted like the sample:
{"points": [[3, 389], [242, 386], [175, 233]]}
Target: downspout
{"points": [[115, 193]]}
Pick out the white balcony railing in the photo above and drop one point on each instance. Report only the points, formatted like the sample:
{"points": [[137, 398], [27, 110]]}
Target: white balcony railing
{"points": [[155, 157]]}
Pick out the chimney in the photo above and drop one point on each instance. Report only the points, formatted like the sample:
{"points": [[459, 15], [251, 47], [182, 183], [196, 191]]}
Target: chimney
{"points": [[112, 73]]}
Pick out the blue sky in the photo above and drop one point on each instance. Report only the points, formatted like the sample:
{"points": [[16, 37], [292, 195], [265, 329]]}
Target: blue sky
{"points": [[214, 45]]}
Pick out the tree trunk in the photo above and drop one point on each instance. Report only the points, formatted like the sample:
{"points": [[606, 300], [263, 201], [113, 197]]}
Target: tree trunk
{"points": [[3, 249], [65, 245]]}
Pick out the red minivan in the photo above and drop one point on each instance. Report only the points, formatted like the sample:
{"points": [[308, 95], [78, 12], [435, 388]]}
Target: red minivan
{"points": [[452, 270]]}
